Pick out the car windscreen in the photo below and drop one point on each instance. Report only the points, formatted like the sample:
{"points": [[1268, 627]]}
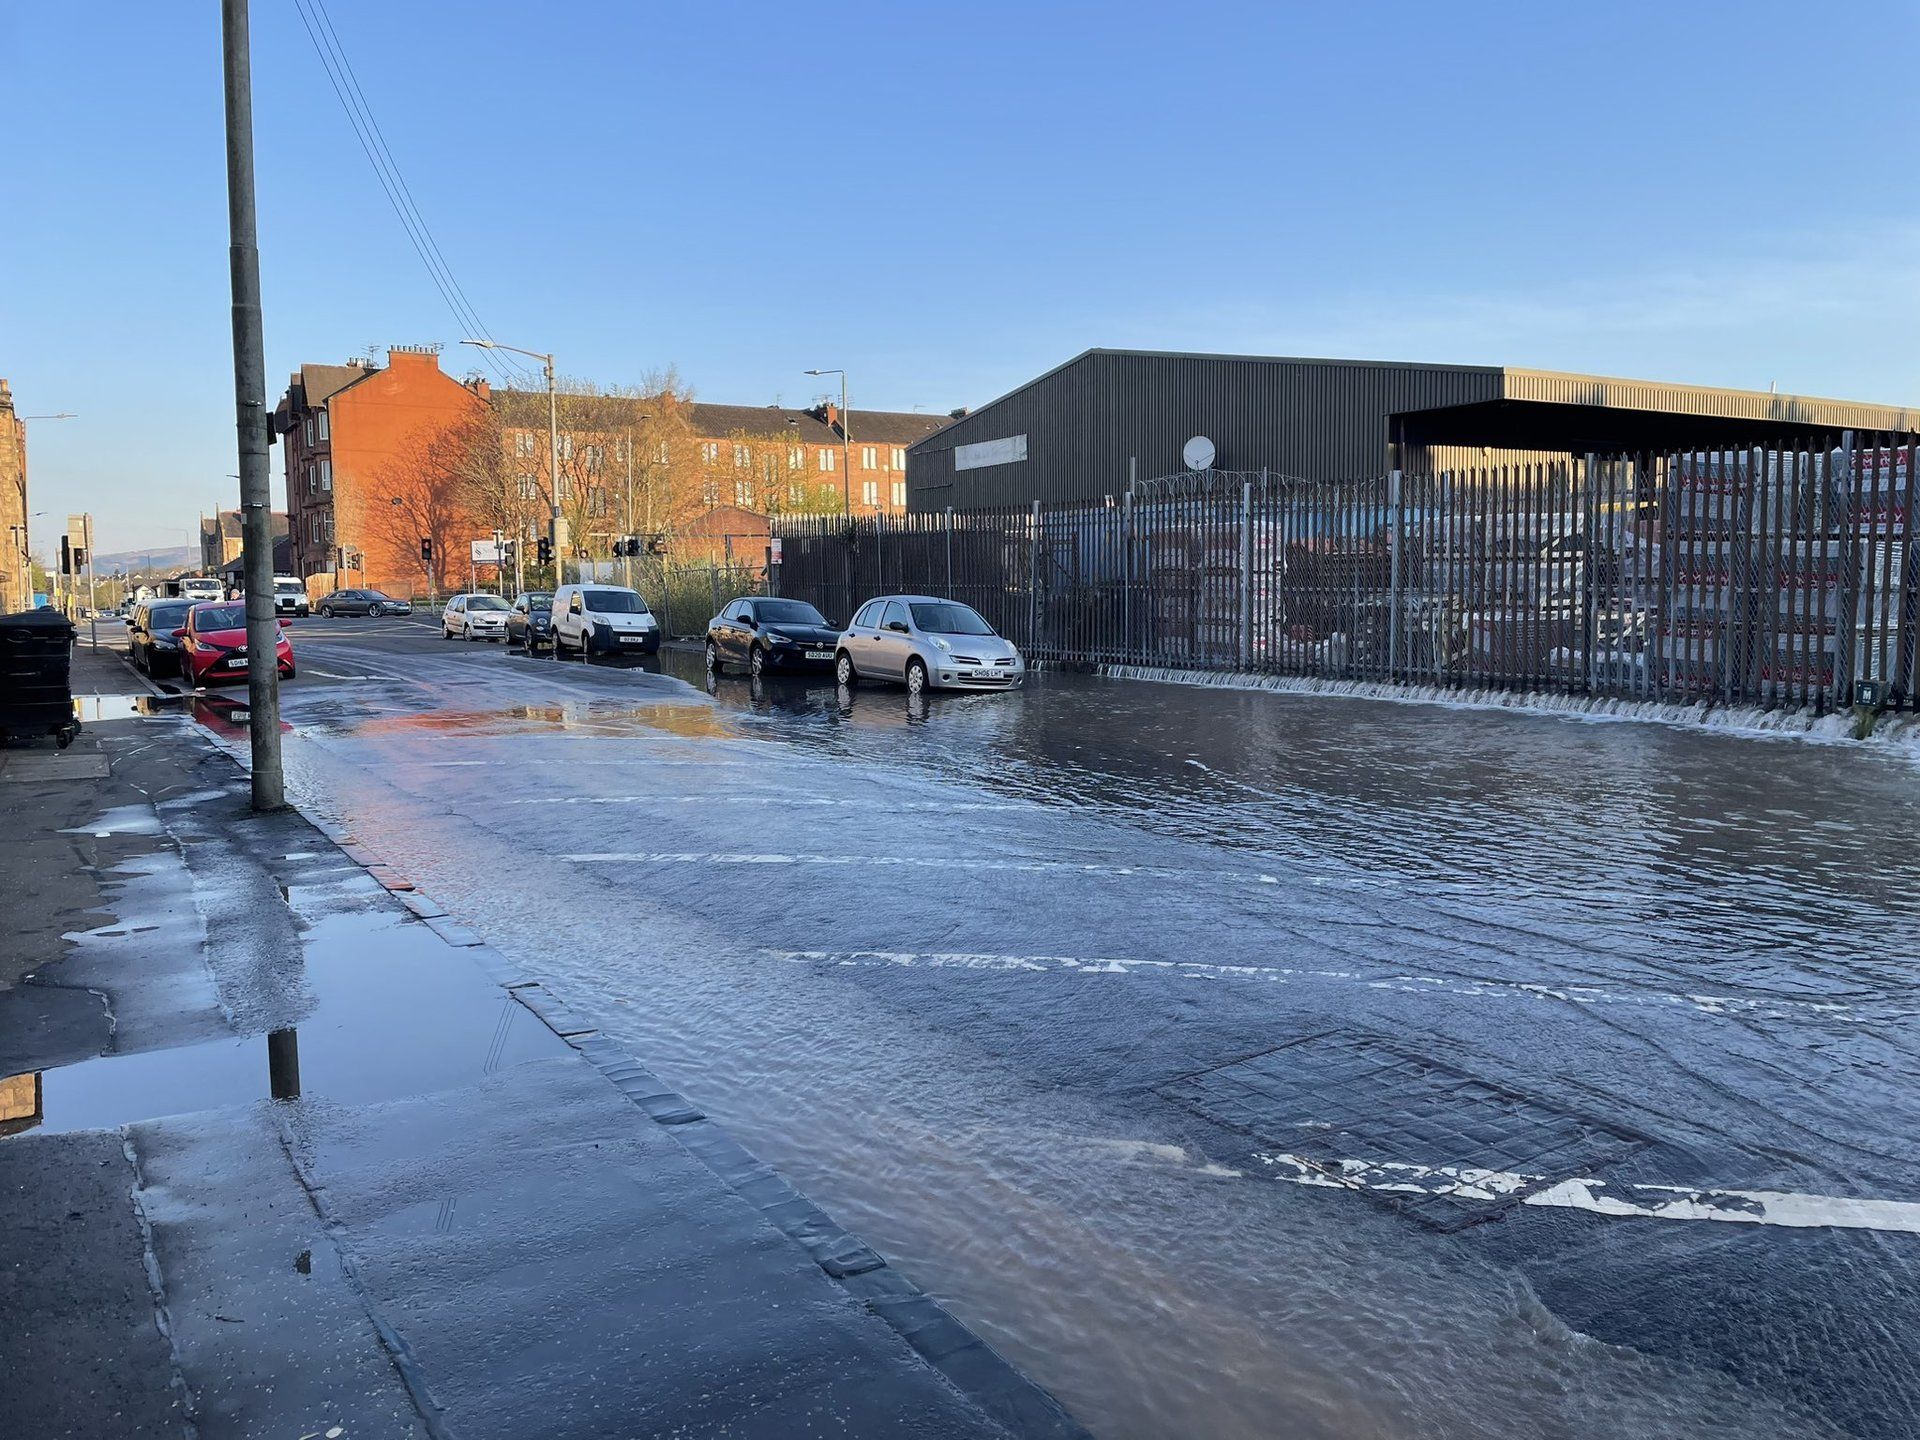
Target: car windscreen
{"points": [[167, 617], [220, 617], [614, 602], [787, 612], [943, 617], [487, 602], [377, 595], [289, 587], [539, 604]]}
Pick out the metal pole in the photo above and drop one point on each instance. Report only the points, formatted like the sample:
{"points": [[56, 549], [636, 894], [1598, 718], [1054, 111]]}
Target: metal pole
{"points": [[846, 441], [1033, 586], [1396, 499], [949, 550], [557, 532], [1246, 575], [250, 391], [626, 515]]}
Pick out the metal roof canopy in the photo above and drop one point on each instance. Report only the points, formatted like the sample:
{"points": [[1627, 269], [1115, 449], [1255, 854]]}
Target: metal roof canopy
{"points": [[1546, 410]]}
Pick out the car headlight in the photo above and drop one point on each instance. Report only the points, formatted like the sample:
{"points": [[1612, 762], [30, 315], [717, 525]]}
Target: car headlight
{"points": [[944, 645], [778, 639]]}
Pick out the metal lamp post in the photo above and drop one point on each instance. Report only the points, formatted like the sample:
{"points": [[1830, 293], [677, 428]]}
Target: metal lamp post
{"points": [[26, 545], [846, 442], [557, 531]]}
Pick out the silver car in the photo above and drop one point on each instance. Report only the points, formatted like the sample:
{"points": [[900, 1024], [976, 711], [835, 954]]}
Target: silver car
{"points": [[925, 643]]}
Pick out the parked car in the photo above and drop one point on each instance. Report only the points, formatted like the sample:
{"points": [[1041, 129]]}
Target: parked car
{"points": [[927, 644], [530, 622], [213, 643], [603, 619], [767, 633], [151, 643], [362, 602], [475, 617], [290, 596]]}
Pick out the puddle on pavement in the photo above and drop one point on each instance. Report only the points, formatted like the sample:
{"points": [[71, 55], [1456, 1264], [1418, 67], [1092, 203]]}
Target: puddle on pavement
{"points": [[399, 1013], [128, 707]]}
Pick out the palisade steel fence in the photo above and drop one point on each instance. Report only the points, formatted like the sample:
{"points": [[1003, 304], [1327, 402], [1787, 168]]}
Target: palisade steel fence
{"points": [[1774, 574]]}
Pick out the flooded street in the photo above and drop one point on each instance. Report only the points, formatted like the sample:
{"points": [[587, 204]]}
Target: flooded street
{"points": [[1236, 1064]]}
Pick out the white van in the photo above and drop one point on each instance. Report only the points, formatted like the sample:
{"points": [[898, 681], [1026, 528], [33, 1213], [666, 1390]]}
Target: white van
{"points": [[600, 619], [201, 587], [290, 596]]}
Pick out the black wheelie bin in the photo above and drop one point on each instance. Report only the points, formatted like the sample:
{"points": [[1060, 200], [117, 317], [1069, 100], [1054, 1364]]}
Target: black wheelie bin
{"points": [[36, 677]]}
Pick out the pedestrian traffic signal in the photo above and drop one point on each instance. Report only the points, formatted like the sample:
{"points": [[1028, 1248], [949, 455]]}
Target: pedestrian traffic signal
{"points": [[426, 547], [656, 544], [546, 550], [66, 556]]}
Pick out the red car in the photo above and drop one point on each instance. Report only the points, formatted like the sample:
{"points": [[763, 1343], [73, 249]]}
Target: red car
{"points": [[213, 644]]}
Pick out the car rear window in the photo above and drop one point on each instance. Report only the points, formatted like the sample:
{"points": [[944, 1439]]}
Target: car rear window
{"points": [[220, 617]]}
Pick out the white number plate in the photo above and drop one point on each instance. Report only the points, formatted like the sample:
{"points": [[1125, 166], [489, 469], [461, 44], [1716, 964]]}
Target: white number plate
{"points": [[238, 662], [819, 654], [633, 639]]}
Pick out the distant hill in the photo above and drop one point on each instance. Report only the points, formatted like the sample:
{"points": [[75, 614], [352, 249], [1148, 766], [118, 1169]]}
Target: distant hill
{"points": [[164, 557]]}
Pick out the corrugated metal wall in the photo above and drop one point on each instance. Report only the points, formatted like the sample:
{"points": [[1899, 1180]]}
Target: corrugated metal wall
{"points": [[1085, 420]]}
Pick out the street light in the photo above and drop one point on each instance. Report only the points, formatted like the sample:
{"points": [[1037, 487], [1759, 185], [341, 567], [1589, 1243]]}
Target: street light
{"points": [[557, 531], [846, 441]]}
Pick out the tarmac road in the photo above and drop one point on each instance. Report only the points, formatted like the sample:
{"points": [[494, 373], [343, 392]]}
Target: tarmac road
{"points": [[1235, 1064]]}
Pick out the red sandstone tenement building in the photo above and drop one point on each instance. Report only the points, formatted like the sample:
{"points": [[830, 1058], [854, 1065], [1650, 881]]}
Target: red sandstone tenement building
{"points": [[344, 430]]}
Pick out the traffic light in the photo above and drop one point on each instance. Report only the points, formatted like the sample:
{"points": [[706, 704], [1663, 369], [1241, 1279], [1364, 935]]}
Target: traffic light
{"points": [[656, 544], [66, 556], [546, 550], [426, 548], [79, 558]]}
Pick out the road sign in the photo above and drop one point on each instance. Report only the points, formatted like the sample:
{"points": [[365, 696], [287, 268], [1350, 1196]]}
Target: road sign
{"points": [[773, 551], [486, 552]]}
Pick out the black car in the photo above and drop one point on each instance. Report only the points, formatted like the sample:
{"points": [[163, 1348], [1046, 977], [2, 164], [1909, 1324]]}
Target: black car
{"points": [[531, 621], [765, 633], [362, 602], [151, 643]]}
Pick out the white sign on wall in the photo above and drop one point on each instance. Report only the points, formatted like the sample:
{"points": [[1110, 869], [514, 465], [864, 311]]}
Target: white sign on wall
{"points": [[990, 452], [485, 552]]}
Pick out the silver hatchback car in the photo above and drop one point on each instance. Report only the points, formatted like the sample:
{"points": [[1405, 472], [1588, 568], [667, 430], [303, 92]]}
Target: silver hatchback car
{"points": [[925, 643]]}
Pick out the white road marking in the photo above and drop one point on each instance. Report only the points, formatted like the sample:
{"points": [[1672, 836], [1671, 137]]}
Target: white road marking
{"points": [[926, 862], [1603, 1197], [939, 806], [1716, 1005], [334, 675]]}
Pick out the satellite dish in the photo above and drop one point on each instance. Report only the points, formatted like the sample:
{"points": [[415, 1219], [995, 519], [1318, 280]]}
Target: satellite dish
{"points": [[1198, 453]]}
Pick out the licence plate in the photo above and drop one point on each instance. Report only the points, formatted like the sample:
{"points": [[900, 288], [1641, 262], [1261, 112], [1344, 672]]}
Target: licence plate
{"points": [[237, 662], [633, 639], [819, 654]]}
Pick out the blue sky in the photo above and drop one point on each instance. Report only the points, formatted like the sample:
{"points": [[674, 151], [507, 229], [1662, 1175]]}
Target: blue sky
{"points": [[948, 199]]}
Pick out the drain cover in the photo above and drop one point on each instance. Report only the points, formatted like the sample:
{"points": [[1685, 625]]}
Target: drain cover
{"points": [[1343, 1101]]}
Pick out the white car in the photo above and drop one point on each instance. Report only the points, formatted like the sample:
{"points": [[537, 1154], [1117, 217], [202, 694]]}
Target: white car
{"points": [[475, 617], [603, 620]]}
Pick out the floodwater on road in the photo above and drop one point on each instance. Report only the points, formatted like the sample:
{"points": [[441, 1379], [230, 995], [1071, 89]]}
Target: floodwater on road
{"points": [[1072, 1001]]}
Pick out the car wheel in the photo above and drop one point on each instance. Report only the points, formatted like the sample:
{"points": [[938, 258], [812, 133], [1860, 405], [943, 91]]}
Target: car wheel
{"points": [[757, 662], [843, 671], [374, 612], [586, 644], [916, 677], [466, 632], [290, 673], [326, 612], [713, 658]]}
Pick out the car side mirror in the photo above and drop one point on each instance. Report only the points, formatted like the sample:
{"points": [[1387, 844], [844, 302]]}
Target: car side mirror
{"points": [[899, 625], [284, 622], [752, 624], [179, 634]]}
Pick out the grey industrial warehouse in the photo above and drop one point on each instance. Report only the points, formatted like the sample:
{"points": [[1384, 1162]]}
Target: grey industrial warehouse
{"points": [[1086, 428]]}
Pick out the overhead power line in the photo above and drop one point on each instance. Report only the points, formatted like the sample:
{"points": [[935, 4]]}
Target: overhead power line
{"points": [[353, 101]]}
